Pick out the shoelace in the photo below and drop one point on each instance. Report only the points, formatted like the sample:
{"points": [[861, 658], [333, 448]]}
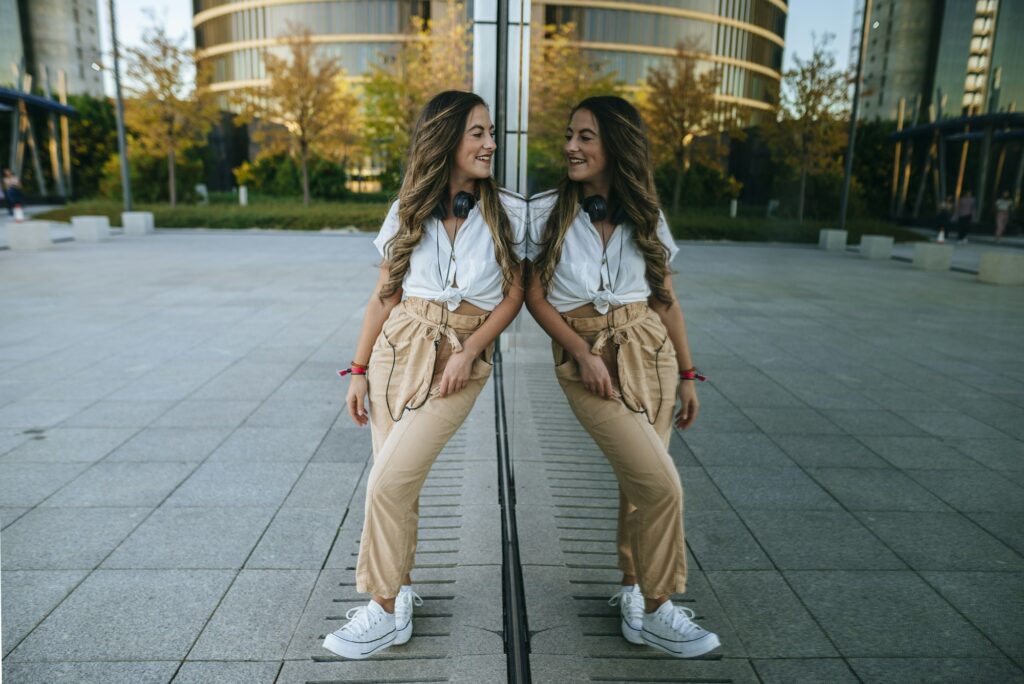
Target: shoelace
{"points": [[415, 598], [358, 620], [682, 620], [636, 610]]}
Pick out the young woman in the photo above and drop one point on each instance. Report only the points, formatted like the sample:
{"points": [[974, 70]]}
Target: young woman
{"points": [[600, 285], [450, 281]]}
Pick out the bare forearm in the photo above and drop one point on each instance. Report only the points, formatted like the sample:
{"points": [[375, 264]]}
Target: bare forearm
{"points": [[377, 311], [498, 320], [671, 316], [551, 321]]}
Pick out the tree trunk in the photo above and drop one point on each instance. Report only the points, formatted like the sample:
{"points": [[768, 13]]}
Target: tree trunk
{"points": [[304, 154], [172, 193], [803, 187]]}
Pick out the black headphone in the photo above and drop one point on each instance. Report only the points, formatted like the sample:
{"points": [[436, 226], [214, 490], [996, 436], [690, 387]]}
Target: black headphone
{"points": [[596, 207], [462, 204]]}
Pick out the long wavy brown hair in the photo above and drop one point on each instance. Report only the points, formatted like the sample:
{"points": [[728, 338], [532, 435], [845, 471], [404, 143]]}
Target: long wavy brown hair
{"points": [[624, 139], [435, 139]]}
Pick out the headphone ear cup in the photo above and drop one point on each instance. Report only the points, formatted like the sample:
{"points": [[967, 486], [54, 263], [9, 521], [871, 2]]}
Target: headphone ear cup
{"points": [[596, 208], [462, 204]]}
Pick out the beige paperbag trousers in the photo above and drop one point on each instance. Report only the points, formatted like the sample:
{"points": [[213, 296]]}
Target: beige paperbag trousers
{"points": [[410, 424], [633, 431]]}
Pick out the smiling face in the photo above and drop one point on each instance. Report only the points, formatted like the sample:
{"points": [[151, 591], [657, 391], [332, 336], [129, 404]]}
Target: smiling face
{"points": [[584, 150], [476, 148]]}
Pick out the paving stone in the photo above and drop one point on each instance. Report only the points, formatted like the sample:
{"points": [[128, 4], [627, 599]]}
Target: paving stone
{"points": [[257, 617], [245, 380], [326, 486], [992, 601], [128, 615], [700, 493], [287, 413], [861, 422], [198, 672], [828, 451], [26, 484], [966, 670], [720, 541], [189, 537], [345, 444], [919, 452], [818, 540], [941, 541], [788, 421], [61, 445], [8, 514], [256, 444], [91, 673], [679, 451], [917, 622], [972, 490], [191, 445], [735, 449], [237, 484], [38, 413], [950, 424], [297, 538], [768, 617], [207, 413], [121, 484], [66, 538], [804, 671], [29, 595], [119, 414], [876, 489], [1007, 527], [776, 488], [1000, 454]]}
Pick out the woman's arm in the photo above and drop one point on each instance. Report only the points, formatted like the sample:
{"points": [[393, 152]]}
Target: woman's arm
{"points": [[593, 373], [671, 316], [377, 311], [460, 365]]}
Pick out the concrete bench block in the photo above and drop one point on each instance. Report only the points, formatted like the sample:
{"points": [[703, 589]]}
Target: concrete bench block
{"points": [[90, 228], [1001, 268], [832, 239], [137, 222], [929, 256], [29, 235], [876, 246]]}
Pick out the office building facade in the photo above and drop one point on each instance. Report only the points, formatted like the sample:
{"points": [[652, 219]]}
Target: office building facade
{"points": [[942, 58], [743, 39], [60, 35]]}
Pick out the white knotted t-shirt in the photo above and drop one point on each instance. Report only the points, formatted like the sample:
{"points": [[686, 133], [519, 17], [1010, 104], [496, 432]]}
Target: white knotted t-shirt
{"points": [[473, 274], [587, 272]]}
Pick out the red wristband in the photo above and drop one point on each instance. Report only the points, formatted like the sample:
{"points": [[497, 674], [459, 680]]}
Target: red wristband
{"points": [[352, 371], [692, 374]]}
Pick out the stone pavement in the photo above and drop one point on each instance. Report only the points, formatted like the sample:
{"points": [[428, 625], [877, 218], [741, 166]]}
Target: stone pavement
{"points": [[181, 498]]}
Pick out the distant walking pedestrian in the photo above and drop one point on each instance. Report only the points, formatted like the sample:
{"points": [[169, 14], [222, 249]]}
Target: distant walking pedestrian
{"points": [[943, 217], [964, 214], [12, 190], [1003, 206]]}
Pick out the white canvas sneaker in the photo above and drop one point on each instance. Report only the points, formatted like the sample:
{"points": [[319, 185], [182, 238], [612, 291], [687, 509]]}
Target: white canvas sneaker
{"points": [[631, 607], [407, 598], [370, 629], [671, 629]]}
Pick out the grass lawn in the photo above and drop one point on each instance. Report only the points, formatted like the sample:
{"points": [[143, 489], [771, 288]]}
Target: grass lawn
{"points": [[697, 224]]}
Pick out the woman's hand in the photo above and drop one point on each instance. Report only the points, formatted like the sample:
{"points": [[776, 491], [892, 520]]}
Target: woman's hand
{"points": [[691, 407], [595, 376], [356, 398], [456, 372]]}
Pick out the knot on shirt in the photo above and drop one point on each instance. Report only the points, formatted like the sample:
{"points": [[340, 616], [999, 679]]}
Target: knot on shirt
{"points": [[603, 299], [450, 296]]}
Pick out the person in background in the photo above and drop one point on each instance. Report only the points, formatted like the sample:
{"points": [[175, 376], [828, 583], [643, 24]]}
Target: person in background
{"points": [[1003, 206], [943, 217], [12, 190], [964, 214]]}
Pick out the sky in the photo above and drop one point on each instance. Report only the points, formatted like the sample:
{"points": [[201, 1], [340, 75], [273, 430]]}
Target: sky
{"points": [[806, 19]]}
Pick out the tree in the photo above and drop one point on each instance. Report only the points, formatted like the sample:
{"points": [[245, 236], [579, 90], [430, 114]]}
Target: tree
{"points": [[306, 105], [169, 111], [435, 58], [561, 76], [809, 134], [679, 107], [93, 134]]}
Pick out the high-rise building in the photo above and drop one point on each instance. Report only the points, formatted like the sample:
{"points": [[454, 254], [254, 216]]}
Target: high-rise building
{"points": [[60, 35], [942, 57], [231, 35], [744, 39]]}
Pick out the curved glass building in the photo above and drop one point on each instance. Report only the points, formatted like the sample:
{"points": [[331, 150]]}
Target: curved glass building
{"points": [[744, 39], [232, 34]]}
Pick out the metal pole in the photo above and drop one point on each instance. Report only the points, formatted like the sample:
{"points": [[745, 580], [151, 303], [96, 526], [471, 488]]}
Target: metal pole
{"points": [[865, 26], [122, 147], [65, 134], [896, 161]]}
